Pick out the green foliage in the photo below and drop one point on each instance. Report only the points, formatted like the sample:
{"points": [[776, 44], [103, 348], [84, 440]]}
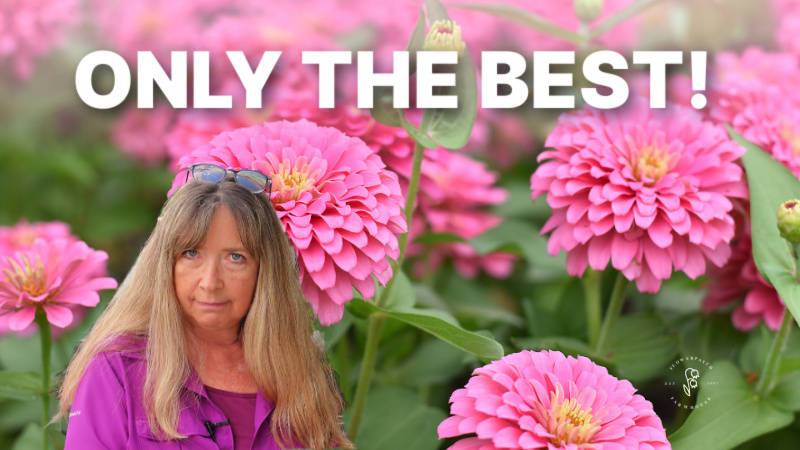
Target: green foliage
{"points": [[770, 185], [20, 385], [639, 347], [732, 416], [437, 323], [396, 419]]}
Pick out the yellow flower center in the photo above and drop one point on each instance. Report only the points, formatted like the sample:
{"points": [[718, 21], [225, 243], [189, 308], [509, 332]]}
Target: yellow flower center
{"points": [[30, 278], [291, 180], [651, 163], [569, 422]]}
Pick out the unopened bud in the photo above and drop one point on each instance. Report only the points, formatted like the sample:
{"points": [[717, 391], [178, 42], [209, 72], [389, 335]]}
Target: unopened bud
{"points": [[444, 36], [588, 10], [789, 221]]}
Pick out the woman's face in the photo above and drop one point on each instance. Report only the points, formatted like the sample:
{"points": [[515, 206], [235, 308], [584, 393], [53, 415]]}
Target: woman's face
{"points": [[216, 280]]}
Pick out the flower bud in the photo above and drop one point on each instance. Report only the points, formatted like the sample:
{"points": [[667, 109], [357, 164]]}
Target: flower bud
{"points": [[789, 221], [444, 36], [588, 10]]}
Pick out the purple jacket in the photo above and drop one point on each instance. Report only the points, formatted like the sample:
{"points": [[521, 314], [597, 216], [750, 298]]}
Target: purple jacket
{"points": [[107, 412]]}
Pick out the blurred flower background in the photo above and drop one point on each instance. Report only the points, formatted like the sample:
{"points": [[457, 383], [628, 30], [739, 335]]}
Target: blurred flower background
{"points": [[660, 196]]}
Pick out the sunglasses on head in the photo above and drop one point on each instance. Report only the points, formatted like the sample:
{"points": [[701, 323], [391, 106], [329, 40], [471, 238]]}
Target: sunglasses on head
{"points": [[253, 180]]}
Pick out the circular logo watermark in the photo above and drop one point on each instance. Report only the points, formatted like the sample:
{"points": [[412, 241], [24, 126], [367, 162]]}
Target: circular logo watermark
{"points": [[687, 374]]}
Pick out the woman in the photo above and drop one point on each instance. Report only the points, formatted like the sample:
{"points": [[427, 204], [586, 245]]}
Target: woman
{"points": [[208, 342]]}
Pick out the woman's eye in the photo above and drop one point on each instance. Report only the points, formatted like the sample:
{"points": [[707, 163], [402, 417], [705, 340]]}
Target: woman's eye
{"points": [[237, 257], [190, 253]]}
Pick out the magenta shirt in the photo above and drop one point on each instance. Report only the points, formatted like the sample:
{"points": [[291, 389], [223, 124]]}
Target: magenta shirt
{"points": [[107, 412], [240, 410]]}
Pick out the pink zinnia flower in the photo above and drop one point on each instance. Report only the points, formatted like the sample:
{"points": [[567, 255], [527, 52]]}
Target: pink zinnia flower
{"points": [[22, 235], [772, 123], [739, 81], [544, 400], [340, 206], [738, 283], [454, 190], [455, 203], [647, 190], [52, 275], [140, 133]]}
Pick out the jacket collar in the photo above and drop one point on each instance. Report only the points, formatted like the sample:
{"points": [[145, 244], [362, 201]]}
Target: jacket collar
{"points": [[136, 348]]}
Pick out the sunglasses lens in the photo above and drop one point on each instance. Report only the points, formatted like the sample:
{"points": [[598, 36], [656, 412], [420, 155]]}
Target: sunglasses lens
{"points": [[208, 173], [254, 181]]}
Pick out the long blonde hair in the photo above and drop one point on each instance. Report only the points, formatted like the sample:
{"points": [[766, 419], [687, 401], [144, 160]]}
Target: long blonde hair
{"points": [[276, 333]]}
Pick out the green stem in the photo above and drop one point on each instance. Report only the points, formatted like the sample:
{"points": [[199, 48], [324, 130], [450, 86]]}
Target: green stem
{"points": [[591, 293], [613, 311], [411, 196], [796, 254], [376, 321], [343, 358], [619, 17], [766, 382], [47, 344], [374, 330]]}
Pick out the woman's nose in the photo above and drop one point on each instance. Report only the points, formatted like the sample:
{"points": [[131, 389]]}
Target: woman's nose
{"points": [[211, 278]]}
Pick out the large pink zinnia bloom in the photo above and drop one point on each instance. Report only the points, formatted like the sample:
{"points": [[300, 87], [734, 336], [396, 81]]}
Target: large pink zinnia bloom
{"points": [[454, 190], [339, 205], [32, 28], [647, 190], [544, 400], [52, 275]]}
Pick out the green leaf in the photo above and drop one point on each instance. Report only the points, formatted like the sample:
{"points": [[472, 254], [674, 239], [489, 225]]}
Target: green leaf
{"points": [[786, 394], [383, 109], [771, 184], [402, 296], [396, 419], [711, 337], [523, 239], [417, 135], [439, 324], [434, 362], [639, 348], [732, 416], [29, 439], [452, 127], [20, 385], [557, 309], [415, 42]]}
